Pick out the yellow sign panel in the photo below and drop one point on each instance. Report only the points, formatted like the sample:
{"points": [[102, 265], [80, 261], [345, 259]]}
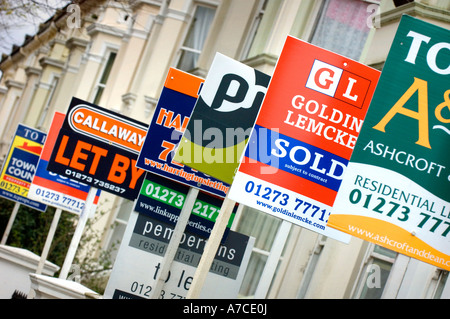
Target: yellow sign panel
{"points": [[20, 166]]}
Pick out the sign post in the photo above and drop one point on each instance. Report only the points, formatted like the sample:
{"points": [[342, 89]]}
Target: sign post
{"points": [[225, 113], [396, 189], [172, 115], [11, 220], [211, 249], [18, 171], [84, 216], [174, 243], [48, 241], [46, 249], [97, 147]]}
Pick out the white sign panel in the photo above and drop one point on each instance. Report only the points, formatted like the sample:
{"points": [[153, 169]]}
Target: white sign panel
{"points": [[141, 254]]}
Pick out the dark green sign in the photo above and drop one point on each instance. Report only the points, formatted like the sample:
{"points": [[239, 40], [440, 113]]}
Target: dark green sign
{"points": [[407, 128], [396, 189]]}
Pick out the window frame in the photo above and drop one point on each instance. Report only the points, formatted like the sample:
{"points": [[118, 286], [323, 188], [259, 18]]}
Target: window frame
{"points": [[99, 86], [190, 27], [372, 255]]}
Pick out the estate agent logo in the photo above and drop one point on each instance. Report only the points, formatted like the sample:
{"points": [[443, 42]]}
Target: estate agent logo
{"points": [[338, 83]]}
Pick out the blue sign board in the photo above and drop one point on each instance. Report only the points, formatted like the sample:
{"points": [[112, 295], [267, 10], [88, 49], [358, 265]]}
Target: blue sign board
{"points": [[20, 165], [175, 105]]}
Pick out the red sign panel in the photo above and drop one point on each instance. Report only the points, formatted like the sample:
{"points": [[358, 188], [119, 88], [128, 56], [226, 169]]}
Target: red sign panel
{"points": [[304, 134], [52, 189]]}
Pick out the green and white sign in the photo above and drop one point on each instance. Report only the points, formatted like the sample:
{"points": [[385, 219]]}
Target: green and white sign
{"points": [[396, 190], [163, 199]]}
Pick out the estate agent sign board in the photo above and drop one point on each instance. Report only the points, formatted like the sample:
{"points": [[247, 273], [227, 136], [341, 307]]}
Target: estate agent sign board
{"points": [[142, 251], [99, 147], [20, 166], [169, 122], [396, 191], [304, 136], [55, 190], [220, 124], [162, 198]]}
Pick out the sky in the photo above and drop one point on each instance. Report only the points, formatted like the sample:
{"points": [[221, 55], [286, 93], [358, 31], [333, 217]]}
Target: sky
{"points": [[17, 23]]}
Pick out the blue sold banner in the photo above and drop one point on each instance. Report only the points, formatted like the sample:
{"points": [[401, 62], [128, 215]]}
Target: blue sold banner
{"points": [[296, 157]]}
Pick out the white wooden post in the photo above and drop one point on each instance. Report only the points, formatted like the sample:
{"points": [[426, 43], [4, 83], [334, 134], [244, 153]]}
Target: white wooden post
{"points": [[46, 249], [78, 232], [48, 241], [175, 241], [10, 223], [211, 249]]}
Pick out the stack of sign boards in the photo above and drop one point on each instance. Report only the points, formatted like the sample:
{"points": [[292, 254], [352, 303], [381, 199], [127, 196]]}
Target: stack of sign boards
{"points": [[308, 126], [158, 206], [296, 147], [299, 148]]}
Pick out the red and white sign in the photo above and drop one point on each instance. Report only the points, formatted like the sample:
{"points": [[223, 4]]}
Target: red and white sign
{"points": [[107, 127], [53, 189], [304, 135]]}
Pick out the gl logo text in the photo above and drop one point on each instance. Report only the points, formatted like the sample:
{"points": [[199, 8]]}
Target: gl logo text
{"points": [[338, 83]]}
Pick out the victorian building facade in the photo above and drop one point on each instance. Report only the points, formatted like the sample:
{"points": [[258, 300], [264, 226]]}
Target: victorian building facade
{"points": [[117, 54]]}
